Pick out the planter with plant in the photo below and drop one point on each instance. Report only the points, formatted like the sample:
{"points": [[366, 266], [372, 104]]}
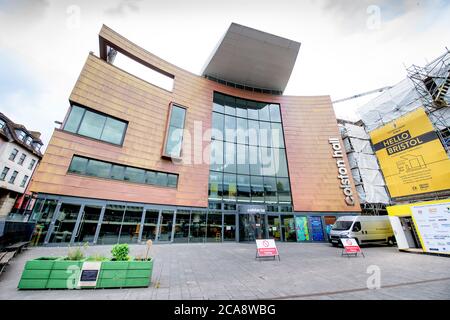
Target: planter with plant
{"points": [[53, 272], [124, 271], [64, 272]]}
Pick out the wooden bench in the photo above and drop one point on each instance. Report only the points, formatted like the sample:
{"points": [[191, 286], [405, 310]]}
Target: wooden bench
{"points": [[19, 246], [4, 259]]}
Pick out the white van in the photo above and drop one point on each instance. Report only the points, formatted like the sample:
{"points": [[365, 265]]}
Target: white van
{"points": [[365, 229]]}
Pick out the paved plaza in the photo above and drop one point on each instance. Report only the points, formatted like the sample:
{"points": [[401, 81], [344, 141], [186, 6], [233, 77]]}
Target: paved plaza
{"points": [[230, 271]]}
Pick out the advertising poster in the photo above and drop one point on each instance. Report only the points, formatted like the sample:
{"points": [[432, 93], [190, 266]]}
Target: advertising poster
{"points": [[301, 226], [316, 228], [433, 224], [411, 156]]}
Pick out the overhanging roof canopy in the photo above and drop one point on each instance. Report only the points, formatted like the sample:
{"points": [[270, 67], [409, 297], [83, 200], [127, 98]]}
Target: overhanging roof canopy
{"points": [[253, 58]]}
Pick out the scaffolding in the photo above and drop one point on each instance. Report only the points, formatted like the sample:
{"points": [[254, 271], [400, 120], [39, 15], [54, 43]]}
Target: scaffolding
{"points": [[432, 84], [426, 87], [368, 178]]}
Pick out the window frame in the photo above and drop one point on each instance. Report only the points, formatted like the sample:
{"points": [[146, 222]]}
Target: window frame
{"points": [[5, 173], [166, 135], [79, 105], [15, 154], [21, 161], [24, 181], [112, 164], [13, 177], [31, 165]]}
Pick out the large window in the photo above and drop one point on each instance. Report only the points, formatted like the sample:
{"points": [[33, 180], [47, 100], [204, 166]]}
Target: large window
{"points": [[4, 173], [24, 181], [31, 166], [174, 138], [22, 159], [95, 125], [107, 170], [248, 156], [13, 154], [13, 177]]}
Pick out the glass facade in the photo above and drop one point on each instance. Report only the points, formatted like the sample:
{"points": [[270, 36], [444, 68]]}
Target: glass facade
{"points": [[175, 129], [107, 170], [68, 220], [248, 157], [95, 125], [248, 170]]}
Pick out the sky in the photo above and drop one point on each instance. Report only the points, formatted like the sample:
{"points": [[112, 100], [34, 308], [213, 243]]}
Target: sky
{"points": [[347, 47]]}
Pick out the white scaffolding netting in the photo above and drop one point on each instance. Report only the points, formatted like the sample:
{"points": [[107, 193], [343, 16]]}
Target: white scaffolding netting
{"points": [[362, 161], [357, 145], [390, 105], [376, 194], [356, 131], [366, 173]]}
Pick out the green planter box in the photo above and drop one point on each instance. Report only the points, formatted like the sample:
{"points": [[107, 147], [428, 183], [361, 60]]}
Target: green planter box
{"points": [[49, 273], [58, 273], [123, 274]]}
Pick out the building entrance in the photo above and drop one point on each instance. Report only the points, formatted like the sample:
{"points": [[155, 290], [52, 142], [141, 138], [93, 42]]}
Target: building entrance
{"points": [[410, 232], [252, 227]]}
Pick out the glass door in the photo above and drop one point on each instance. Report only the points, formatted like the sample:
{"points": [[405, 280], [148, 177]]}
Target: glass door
{"points": [[288, 228], [150, 224], [44, 218], [229, 227], [131, 225], [182, 224], [274, 227], [111, 224], [251, 227], [88, 224], [214, 227], [65, 223], [165, 226], [198, 226]]}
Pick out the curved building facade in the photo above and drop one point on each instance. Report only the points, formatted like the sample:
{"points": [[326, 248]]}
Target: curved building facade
{"points": [[221, 156]]}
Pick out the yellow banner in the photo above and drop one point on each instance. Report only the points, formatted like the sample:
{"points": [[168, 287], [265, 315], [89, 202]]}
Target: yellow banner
{"points": [[411, 156]]}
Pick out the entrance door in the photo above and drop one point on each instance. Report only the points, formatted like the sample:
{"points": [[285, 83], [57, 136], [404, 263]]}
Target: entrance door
{"points": [[288, 228], [400, 237], [229, 227], [274, 227], [410, 232], [251, 227], [150, 224], [65, 223], [88, 224], [165, 226]]}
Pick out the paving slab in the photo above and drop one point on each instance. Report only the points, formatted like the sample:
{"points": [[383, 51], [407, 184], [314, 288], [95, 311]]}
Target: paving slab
{"points": [[230, 271]]}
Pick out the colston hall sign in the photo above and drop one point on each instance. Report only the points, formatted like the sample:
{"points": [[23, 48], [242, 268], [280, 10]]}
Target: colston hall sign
{"points": [[343, 174]]}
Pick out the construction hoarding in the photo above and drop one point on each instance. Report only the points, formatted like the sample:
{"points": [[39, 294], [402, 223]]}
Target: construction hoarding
{"points": [[431, 221], [411, 156]]}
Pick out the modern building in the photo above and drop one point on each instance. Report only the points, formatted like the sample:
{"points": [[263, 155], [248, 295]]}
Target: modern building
{"points": [[19, 156], [148, 150]]}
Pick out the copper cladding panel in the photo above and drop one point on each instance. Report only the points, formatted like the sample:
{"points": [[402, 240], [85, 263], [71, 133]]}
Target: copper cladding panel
{"points": [[308, 123]]}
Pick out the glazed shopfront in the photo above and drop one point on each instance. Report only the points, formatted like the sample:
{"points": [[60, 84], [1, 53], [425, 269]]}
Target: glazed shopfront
{"points": [[67, 220]]}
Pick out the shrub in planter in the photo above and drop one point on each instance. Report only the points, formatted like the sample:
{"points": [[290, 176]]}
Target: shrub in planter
{"points": [[120, 252]]}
